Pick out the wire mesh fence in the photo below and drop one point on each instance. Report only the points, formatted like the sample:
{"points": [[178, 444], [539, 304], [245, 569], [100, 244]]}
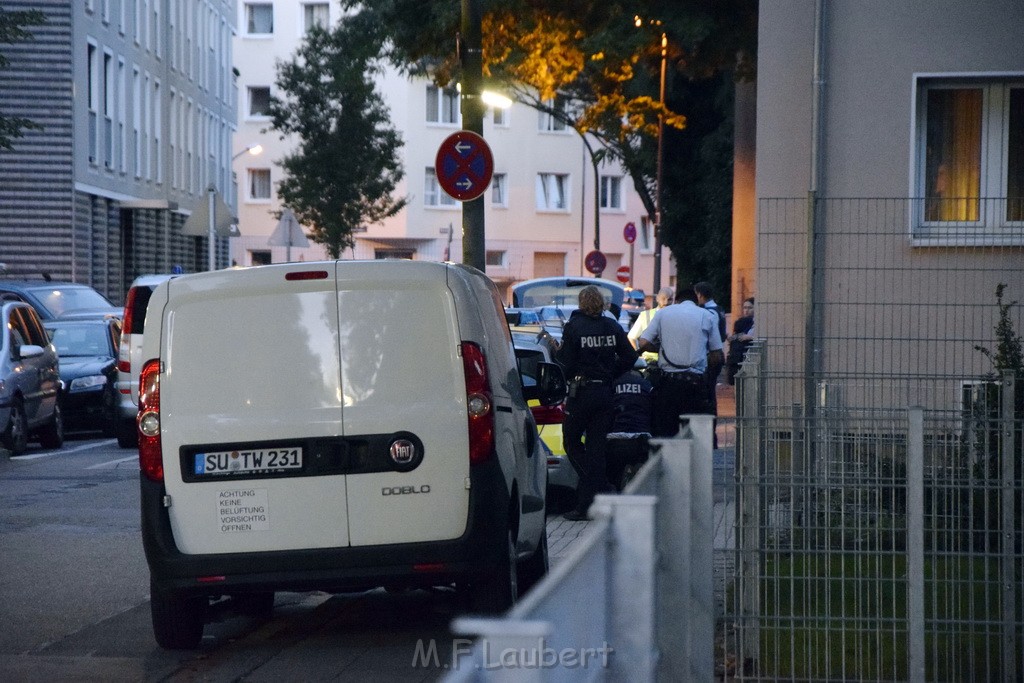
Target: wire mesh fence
{"points": [[875, 500]]}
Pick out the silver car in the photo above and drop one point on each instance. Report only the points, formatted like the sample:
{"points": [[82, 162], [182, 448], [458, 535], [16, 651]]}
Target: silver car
{"points": [[29, 381]]}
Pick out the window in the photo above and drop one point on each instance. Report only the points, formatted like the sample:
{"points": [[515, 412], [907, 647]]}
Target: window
{"points": [[259, 101], [259, 183], [315, 14], [553, 122], [259, 18], [442, 105], [611, 192], [970, 160], [499, 188], [552, 192], [433, 195], [499, 117], [495, 258], [393, 254], [259, 258]]}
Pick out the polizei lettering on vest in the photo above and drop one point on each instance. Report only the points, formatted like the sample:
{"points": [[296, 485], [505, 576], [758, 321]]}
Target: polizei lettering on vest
{"points": [[597, 341]]}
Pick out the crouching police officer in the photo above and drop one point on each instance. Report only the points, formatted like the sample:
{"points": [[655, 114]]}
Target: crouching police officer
{"points": [[594, 351]]}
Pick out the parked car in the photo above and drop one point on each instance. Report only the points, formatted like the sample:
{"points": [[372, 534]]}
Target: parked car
{"points": [[129, 355], [533, 348], [53, 300], [336, 425], [29, 381], [564, 292], [88, 372]]}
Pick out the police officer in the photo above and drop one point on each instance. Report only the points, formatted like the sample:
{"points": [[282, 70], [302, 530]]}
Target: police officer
{"points": [[594, 352]]}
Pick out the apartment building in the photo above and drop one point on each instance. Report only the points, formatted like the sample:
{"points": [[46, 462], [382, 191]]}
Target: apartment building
{"points": [[539, 207], [136, 102]]}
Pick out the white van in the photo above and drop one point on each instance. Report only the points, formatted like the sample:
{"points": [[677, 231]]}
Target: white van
{"points": [[335, 426]]}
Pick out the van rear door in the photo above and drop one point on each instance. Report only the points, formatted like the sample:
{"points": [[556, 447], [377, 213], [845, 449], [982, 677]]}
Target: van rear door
{"points": [[404, 396], [250, 391]]}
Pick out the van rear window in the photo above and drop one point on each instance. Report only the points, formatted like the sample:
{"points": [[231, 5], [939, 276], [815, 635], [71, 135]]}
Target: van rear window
{"points": [[139, 306]]}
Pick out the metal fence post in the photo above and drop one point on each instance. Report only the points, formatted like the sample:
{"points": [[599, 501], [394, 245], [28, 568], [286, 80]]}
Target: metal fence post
{"points": [[631, 585], [750, 422], [915, 546], [1007, 460]]}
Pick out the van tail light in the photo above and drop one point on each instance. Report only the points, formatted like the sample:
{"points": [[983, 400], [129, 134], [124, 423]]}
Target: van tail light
{"points": [[151, 457], [548, 415], [478, 404], [124, 358]]}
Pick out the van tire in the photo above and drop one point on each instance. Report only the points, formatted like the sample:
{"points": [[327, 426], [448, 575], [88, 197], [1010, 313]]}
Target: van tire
{"points": [[15, 436], [498, 589], [177, 619], [533, 568], [127, 436], [52, 435]]}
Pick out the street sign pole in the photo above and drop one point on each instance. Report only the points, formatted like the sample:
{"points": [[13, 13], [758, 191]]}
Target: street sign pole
{"points": [[472, 109]]}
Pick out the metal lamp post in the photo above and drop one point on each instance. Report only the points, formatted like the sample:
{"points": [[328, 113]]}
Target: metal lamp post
{"points": [[657, 181], [211, 191]]}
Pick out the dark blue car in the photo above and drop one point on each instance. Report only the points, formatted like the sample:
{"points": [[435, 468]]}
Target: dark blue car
{"points": [[88, 371]]}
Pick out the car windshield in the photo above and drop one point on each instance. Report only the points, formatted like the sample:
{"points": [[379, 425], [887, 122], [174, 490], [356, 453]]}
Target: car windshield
{"points": [[563, 292], [61, 300], [80, 340]]}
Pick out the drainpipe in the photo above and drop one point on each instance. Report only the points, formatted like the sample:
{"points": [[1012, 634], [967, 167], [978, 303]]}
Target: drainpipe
{"points": [[812, 354]]}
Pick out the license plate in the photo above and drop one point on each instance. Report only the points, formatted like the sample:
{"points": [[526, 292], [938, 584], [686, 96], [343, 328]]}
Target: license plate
{"points": [[262, 460]]}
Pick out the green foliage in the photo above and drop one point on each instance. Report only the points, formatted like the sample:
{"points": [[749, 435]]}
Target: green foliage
{"points": [[342, 174], [594, 54], [1009, 352], [13, 30]]}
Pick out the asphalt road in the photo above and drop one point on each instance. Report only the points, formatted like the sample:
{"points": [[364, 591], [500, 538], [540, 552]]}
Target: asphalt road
{"points": [[74, 595]]}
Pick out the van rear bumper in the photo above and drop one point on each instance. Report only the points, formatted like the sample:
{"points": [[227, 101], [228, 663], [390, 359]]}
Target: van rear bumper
{"points": [[334, 569]]}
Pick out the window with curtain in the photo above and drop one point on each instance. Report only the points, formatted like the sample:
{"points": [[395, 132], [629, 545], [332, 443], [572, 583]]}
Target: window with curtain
{"points": [[259, 18], [433, 195], [552, 192], [499, 182], [259, 101], [315, 14], [971, 156], [611, 192], [442, 105], [259, 183]]}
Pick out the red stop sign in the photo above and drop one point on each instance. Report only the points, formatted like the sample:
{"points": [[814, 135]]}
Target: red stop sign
{"points": [[622, 274]]}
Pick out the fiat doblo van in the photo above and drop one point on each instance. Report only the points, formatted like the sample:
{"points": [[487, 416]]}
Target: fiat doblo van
{"points": [[335, 426]]}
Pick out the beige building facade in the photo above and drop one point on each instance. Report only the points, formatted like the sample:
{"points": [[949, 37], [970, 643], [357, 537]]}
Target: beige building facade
{"points": [[539, 207]]}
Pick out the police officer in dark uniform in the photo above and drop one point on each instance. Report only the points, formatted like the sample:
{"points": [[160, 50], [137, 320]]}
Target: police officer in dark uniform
{"points": [[594, 352]]}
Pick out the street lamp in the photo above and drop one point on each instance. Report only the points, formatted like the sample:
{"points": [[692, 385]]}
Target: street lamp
{"points": [[638, 22], [211, 233]]}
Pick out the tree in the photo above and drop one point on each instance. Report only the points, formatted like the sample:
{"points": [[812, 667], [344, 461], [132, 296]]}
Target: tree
{"points": [[595, 65], [12, 30], [343, 173]]}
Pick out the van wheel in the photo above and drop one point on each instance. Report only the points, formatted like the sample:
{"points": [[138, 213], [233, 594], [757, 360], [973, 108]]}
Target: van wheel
{"points": [[52, 435], [127, 434], [177, 619], [15, 436], [498, 589], [533, 569]]}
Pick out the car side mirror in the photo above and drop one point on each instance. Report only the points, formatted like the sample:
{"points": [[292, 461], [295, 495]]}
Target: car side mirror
{"points": [[30, 351], [550, 386]]}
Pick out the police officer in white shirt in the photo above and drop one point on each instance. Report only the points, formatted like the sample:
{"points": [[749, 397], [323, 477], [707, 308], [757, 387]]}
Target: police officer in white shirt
{"points": [[686, 337]]}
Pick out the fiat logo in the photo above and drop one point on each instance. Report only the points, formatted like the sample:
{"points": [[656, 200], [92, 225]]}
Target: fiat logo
{"points": [[403, 451]]}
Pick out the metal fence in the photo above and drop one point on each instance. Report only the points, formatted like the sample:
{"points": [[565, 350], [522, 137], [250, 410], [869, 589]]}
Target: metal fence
{"points": [[873, 544]]}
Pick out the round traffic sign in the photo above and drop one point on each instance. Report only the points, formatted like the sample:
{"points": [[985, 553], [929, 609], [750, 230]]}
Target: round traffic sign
{"points": [[464, 165], [629, 232], [622, 274], [595, 262]]}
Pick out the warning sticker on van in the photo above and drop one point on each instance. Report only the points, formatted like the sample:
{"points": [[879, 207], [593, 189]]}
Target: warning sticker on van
{"points": [[243, 510], [248, 461]]}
